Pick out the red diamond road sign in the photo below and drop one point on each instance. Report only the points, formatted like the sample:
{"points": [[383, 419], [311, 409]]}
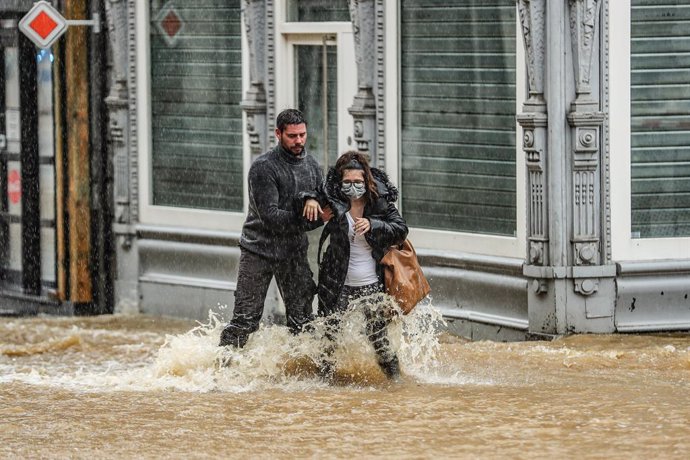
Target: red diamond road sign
{"points": [[43, 24]]}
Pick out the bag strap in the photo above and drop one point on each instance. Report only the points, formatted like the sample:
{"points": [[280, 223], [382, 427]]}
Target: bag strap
{"points": [[400, 245], [324, 234]]}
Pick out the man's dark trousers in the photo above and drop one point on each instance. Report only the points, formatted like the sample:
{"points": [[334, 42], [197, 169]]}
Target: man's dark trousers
{"points": [[295, 283]]}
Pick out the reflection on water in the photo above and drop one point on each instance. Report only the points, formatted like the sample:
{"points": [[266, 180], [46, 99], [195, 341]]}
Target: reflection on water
{"points": [[144, 387]]}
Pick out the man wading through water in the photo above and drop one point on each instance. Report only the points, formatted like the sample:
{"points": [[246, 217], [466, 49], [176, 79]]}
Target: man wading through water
{"points": [[273, 240]]}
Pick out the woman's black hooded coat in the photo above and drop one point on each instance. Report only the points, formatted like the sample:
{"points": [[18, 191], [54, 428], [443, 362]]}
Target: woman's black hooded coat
{"points": [[387, 228]]}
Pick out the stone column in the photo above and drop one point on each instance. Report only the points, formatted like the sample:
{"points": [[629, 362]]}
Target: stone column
{"points": [[254, 103], [120, 141], [363, 110], [534, 122], [592, 273]]}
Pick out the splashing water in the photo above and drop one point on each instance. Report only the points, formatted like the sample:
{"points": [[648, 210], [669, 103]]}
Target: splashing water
{"points": [[118, 386], [272, 358]]}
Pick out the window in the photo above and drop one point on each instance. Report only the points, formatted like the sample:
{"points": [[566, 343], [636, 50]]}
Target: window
{"points": [[312, 82], [458, 115], [196, 118], [318, 11], [660, 118]]}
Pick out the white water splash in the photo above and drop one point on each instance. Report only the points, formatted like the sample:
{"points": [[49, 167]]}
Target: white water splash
{"points": [[272, 358]]}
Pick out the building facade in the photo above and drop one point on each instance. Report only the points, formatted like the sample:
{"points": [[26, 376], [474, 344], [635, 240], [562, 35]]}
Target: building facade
{"points": [[542, 148], [55, 203]]}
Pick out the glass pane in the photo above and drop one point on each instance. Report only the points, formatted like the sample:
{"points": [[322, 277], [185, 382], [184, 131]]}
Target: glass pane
{"points": [[196, 89], [458, 115], [660, 119], [318, 11], [10, 168], [310, 94], [46, 151]]}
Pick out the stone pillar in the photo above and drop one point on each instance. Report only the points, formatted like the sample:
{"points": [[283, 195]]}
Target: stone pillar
{"points": [[254, 103], [363, 110], [120, 140], [570, 276], [592, 273], [534, 123]]}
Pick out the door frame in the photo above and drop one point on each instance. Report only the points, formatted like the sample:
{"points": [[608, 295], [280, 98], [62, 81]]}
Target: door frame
{"points": [[288, 35]]}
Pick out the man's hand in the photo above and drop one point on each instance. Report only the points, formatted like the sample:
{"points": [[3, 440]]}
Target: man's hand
{"points": [[312, 210]]}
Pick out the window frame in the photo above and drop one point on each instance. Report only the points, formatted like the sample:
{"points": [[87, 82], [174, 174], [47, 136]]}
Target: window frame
{"points": [[623, 245], [197, 218], [289, 34], [478, 243]]}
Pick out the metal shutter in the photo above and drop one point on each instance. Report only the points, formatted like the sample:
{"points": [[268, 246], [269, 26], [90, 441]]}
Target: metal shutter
{"points": [[458, 115], [196, 88], [660, 117]]}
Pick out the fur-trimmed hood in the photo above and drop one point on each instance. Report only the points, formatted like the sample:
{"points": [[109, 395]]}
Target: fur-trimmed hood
{"points": [[384, 186], [387, 228]]}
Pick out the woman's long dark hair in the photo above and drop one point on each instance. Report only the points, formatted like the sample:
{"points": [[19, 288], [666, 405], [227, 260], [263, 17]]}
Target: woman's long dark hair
{"points": [[358, 160]]}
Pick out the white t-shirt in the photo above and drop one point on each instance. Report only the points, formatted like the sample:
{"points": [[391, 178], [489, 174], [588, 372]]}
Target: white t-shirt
{"points": [[362, 268]]}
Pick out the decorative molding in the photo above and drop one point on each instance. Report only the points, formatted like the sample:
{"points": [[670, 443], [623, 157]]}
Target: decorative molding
{"points": [[133, 171], [587, 286], [586, 123], [533, 22], [534, 145], [116, 103], [363, 110], [589, 247], [379, 88], [254, 103], [586, 187], [583, 24], [606, 153], [534, 122], [270, 88], [362, 14]]}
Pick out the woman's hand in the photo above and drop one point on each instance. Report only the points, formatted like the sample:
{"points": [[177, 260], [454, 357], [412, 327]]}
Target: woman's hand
{"points": [[327, 214], [362, 225], [312, 209]]}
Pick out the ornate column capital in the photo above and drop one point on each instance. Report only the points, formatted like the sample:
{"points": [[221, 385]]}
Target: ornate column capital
{"points": [[533, 22], [254, 103], [584, 15], [363, 110]]}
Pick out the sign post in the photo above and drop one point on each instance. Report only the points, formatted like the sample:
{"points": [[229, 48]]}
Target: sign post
{"points": [[43, 24]]}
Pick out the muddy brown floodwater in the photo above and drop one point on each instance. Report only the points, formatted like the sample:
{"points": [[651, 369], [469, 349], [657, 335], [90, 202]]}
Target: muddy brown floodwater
{"points": [[147, 387]]}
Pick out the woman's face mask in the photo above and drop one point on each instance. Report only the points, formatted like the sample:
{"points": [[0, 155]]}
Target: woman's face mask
{"points": [[353, 189]]}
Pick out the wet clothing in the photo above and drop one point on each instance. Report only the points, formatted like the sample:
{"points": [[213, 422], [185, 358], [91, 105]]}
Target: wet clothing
{"points": [[387, 228], [361, 270], [274, 243], [376, 323], [278, 182], [295, 283]]}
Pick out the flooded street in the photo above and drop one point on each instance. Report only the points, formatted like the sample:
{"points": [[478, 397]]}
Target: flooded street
{"points": [[145, 387]]}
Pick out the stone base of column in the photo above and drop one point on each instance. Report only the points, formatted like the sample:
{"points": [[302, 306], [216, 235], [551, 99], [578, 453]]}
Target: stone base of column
{"points": [[127, 280], [568, 300]]}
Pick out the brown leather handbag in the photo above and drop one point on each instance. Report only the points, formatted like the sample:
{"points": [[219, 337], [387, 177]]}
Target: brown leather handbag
{"points": [[403, 276]]}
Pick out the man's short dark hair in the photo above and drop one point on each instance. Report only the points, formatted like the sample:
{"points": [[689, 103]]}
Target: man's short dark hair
{"points": [[289, 117]]}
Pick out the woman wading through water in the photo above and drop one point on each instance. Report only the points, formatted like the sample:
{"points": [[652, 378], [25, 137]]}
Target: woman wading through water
{"points": [[364, 225]]}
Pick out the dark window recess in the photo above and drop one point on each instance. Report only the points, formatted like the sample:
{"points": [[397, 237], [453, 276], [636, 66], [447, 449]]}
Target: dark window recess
{"points": [[318, 11], [310, 90], [458, 115], [660, 118], [196, 89]]}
